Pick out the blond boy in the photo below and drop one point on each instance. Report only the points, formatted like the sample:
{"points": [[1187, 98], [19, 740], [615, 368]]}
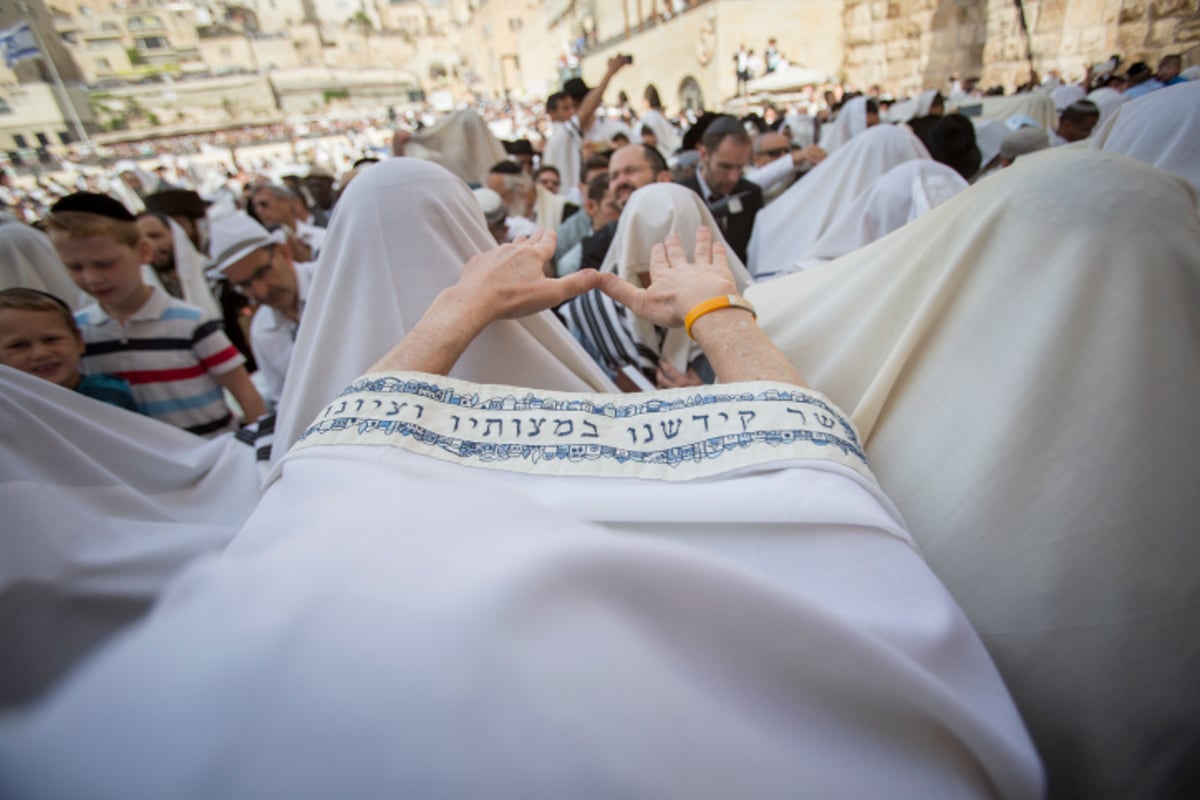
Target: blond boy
{"points": [[176, 360]]}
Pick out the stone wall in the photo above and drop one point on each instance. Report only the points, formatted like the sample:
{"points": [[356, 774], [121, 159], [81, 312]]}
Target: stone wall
{"points": [[908, 45]]}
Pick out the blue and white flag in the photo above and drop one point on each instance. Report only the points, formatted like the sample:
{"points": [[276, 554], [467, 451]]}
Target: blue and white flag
{"points": [[17, 44]]}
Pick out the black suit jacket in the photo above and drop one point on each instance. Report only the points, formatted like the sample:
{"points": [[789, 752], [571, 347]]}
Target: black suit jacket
{"points": [[737, 227]]}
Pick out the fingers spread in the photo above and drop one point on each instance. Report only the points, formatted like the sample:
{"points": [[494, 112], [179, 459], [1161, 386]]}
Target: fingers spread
{"points": [[620, 289], [675, 254]]}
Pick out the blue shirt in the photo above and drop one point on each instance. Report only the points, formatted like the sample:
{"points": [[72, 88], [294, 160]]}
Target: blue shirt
{"points": [[108, 389]]}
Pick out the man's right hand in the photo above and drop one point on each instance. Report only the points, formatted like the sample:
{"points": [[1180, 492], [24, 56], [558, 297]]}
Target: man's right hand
{"points": [[676, 285]]}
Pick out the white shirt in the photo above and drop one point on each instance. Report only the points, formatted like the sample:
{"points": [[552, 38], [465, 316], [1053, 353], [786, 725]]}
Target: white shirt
{"points": [[311, 235], [272, 336]]}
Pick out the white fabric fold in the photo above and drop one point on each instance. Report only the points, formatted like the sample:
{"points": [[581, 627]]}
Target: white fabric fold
{"points": [[1024, 364], [785, 229], [402, 233], [1161, 128], [102, 501], [462, 143], [850, 122], [899, 196], [383, 613], [28, 260]]}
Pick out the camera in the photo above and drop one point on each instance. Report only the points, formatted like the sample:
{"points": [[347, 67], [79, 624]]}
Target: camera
{"points": [[626, 59]]}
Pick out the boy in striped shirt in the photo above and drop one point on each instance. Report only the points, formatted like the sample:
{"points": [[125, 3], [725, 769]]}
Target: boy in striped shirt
{"points": [[175, 360]]}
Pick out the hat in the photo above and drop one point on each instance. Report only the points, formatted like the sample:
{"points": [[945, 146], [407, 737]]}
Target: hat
{"points": [[576, 88], [92, 203], [319, 172], [492, 205], [234, 237], [181, 202], [518, 147]]}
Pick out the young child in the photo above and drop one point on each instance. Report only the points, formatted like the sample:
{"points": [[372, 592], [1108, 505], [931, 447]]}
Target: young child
{"points": [[176, 360], [38, 335]]}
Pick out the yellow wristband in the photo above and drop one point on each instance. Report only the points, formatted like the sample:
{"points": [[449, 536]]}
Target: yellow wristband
{"points": [[724, 301]]}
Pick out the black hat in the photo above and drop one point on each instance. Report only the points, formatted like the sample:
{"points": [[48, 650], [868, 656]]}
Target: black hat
{"points": [[518, 147], [951, 140], [183, 202], [692, 138], [92, 203], [576, 88]]}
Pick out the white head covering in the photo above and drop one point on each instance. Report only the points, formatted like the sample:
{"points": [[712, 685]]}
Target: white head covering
{"points": [[785, 229], [235, 236], [851, 121], [401, 235], [1030, 403], [1064, 96], [900, 196], [28, 260], [190, 264], [1161, 128], [989, 137], [654, 212], [1108, 100], [462, 143], [666, 138], [800, 126]]}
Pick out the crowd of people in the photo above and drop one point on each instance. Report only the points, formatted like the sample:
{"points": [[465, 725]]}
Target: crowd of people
{"points": [[586, 453]]}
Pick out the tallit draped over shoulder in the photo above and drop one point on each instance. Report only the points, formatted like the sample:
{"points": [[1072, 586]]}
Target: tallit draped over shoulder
{"points": [[402, 233], [1024, 364], [1161, 128], [28, 260], [785, 229], [731, 608]]}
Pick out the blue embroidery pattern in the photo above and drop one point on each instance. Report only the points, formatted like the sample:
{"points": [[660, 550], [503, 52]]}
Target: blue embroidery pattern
{"points": [[668, 429]]}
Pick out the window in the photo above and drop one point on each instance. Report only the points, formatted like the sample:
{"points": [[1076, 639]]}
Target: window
{"points": [[143, 22], [43, 139], [19, 141], [5, 108], [150, 43]]}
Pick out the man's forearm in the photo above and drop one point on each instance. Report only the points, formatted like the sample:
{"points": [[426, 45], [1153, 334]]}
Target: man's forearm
{"points": [[738, 350], [438, 340]]}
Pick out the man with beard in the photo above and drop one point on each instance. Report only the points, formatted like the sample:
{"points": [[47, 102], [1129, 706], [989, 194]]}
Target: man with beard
{"points": [[177, 266], [630, 168], [259, 265]]}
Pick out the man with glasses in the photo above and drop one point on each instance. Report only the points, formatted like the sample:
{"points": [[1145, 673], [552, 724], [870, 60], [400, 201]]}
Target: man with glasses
{"points": [[258, 264], [777, 164]]}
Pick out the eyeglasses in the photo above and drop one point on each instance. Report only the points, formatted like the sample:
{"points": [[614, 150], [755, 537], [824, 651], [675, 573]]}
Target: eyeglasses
{"points": [[243, 287]]}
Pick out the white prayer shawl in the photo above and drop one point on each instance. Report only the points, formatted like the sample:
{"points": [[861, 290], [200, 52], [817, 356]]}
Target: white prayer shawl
{"points": [[370, 628], [800, 127], [190, 265], [562, 151], [549, 210], [102, 501], [28, 260], [1024, 364], [1064, 96], [851, 121], [918, 106], [403, 231], [654, 212], [666, 138], [989, 138], [1108, 101], [1037, 106], [896, 199], [462, 143], [1161, 128], [784, 230]]}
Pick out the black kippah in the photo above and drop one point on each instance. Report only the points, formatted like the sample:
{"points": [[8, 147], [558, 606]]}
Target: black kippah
{"points": [[92, 203]]}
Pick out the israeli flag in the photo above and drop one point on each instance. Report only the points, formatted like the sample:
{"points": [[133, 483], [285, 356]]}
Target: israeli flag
{"points": [[17, 44]]}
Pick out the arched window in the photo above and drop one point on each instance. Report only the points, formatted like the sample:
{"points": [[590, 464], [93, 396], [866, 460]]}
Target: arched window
{"points": [[690, 95]]}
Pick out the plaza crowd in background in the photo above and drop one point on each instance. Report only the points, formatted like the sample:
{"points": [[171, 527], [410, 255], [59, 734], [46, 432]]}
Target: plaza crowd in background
{"points": [[952, 338]]}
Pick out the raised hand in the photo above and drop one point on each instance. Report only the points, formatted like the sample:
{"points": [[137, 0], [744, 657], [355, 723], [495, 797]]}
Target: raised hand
{"points": [[676, 284]]}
